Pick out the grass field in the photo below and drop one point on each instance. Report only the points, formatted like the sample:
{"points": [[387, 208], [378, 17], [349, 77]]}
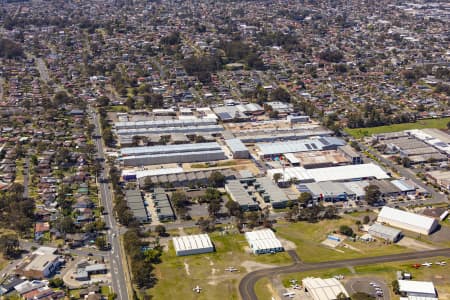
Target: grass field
{"points": [[177, 276], [428, 123], [440, 275], [3, 262], [262, 288], [308, 238]]}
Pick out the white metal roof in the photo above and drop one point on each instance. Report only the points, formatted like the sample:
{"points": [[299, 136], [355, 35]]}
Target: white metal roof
{"points": [[324, 289], [153, 172], [192, 242], [170, 148], [406, 217], [262, 239], [332, 173], [236, 145], [420, 287]]}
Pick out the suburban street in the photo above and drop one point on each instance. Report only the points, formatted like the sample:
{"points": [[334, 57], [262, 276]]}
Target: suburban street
{"points": [[117, 270], [247, 284]]}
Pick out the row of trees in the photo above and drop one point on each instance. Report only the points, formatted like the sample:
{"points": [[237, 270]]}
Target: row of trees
{"points": [[17, 212], [142, 257], [10, 49]]}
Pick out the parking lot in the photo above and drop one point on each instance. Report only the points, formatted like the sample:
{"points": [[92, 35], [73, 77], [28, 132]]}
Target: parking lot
{"points": [[368, 285]]}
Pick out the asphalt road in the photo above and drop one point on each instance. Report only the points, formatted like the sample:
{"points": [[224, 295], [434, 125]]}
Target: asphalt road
{"points": [[247, 284], [119, 285]]}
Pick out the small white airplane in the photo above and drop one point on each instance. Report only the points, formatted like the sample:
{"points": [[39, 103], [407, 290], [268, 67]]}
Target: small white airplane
{"points": [[427, 264], [339, 277], [231, 269], [440, 263], [197, 289], [289, 294], [293, 281]]}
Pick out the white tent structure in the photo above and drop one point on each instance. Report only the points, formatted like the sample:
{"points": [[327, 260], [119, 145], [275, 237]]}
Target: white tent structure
{"points": [[192, 244], [408, 221], [323, 289], [263, 241]]}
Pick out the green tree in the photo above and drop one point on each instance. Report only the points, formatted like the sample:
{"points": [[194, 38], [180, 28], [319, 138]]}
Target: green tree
{"points": [[281, 95], [366, 220], [56, 283], [234, 208], [216, 179], [276, 177], [148, 184], [100, 242], [373, 194], [395, 287], [346, 230], [304, 198], [9, 245], [160, 230]]}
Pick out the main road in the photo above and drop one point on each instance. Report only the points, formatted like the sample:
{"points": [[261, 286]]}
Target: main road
{"points": [[119, 283], [247, 284]]}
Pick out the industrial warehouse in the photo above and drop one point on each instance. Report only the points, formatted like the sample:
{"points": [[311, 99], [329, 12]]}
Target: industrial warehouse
{"points": [[267, 150], [407, 221], [385, 232], [135, 203], [341, 173], [263, 241], [192, 244], [153, 155]]}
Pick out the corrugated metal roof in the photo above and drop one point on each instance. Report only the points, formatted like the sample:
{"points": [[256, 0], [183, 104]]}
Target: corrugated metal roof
{"points": [[388, 213], [323, 289], [192, 242], [170, 148], [420, 287]]}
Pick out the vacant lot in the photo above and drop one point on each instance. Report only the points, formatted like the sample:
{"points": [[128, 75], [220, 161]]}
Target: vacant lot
{"points": [[308, 238], [429, 123], [177, 276]]}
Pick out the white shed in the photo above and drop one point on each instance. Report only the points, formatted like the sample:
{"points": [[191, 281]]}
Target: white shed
{"points": [[406, 220]]}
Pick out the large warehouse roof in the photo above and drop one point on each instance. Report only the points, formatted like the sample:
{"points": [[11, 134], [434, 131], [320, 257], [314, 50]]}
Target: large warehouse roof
{"points": [[161, 130], [406, 219], [340, 173], [417, 287], [324, 289], [170, 149], [299, 146], [236, 145], [191, 244], [165, 123]]}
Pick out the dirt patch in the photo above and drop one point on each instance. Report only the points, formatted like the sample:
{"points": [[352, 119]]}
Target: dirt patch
{"points": [[287, 245], [186, 267], [414, 244]]}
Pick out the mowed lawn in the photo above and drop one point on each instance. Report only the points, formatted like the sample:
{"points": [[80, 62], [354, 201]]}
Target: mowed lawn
{"points": [[421, 124], [177, 276], [308, 238]]}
